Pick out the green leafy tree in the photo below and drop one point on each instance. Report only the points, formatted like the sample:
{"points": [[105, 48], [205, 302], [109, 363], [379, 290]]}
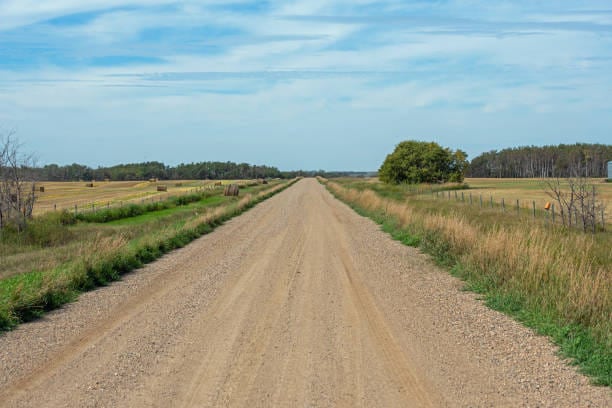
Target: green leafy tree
{"points": [[423, 162]]}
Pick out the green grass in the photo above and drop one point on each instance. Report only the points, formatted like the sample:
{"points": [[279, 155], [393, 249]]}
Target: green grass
{"points": [[153, 215], [108, 251], [579, 325]]}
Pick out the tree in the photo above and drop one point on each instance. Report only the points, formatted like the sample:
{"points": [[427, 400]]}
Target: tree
{"points": [[577, 199], [17, 184], [423, 162]]}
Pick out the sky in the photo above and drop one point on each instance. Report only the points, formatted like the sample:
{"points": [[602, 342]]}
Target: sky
{"points": [[306, 84]]}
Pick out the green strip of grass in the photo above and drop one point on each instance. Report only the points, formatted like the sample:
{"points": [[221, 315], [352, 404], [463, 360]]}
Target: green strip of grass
{"points": [[135, 210], [153, 215], [27, 296], [577, 342]]}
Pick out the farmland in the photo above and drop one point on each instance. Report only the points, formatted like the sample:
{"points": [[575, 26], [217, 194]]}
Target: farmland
{"points": [[65, 195], [529, 190], [62, 253]]}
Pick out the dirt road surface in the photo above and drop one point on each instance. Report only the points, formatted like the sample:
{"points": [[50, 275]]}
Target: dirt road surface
{"points": [[299, 302]]}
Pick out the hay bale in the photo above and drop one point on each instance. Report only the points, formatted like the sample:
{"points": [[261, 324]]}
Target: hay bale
{"points": [[89, 185], [231, 190], [153, 180], [41, 189], [218, 183], [162, 188], [264, 181]]}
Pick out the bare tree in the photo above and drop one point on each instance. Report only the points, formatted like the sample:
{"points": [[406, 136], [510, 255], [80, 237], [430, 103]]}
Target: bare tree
{"points": [[577, 200], [17, 183]]}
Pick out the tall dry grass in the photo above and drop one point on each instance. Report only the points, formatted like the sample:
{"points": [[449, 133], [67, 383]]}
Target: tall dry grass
{"points": [[552, 273]]}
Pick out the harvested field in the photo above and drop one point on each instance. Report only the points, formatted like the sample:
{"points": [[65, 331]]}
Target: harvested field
{"points": [[65, 195]]}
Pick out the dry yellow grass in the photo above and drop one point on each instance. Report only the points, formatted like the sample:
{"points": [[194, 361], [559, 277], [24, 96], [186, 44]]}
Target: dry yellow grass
{"points": [[565, 273]]}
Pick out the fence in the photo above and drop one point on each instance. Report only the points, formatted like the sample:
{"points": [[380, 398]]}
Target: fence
{"points": [[546, 212], [80, 207]]}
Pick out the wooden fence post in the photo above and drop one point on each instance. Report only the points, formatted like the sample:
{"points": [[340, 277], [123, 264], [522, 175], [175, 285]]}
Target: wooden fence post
{"points": [[534, 210], [503, 205], [518, 208], [552, 208]]}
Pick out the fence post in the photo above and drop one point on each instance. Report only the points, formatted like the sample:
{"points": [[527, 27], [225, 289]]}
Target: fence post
{"points": [[54, 207], [462, 198], [534, 211], [470, 198], [75, 210], [491, 201], [603, 220], [448, 195], [518, 208], [456, 198], [594, 213], [503, 205], [552, 208], [481, 201]]}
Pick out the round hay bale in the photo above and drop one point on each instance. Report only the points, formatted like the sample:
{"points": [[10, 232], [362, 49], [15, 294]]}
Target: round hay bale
{"points": [[231, 190]]}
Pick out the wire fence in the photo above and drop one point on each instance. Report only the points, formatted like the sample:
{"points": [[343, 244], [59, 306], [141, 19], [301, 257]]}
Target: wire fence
{"points": [[90, 206], [524, 208]]}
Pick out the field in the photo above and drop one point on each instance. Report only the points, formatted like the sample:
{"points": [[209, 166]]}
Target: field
{"points": [[554, 279], [528, 190], [62, 253], [65, 195]]}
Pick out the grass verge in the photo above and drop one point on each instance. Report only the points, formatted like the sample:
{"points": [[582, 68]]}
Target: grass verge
{"points": [[556, 283], [28, 295]]}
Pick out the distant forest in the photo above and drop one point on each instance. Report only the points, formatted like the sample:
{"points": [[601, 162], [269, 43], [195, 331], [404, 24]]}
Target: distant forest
{"points": [[148, 170], [191, 171], [581, 159]]}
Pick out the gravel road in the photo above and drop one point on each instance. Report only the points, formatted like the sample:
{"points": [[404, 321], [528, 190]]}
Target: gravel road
{"points": [[299, 302]]}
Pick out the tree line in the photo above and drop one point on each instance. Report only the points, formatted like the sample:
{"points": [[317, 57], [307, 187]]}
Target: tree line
{"points": [[580, 159], [149, 170]]}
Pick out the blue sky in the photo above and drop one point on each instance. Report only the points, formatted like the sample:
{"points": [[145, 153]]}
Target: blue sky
{"points": [[300, 84]]}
